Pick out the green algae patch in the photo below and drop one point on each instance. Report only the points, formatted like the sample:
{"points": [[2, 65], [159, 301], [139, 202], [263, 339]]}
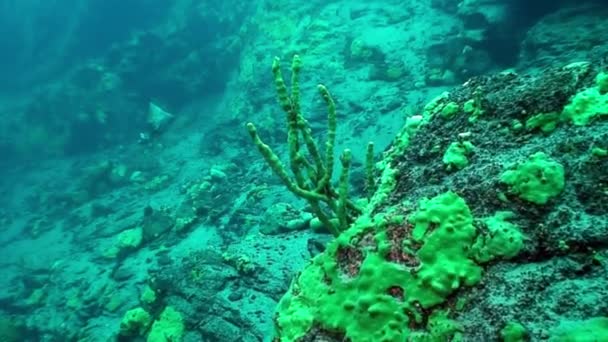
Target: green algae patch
{"points": [[536, 180]]}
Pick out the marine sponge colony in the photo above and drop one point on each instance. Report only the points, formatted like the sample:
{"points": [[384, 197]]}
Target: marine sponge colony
{"points": [[474, 210]]}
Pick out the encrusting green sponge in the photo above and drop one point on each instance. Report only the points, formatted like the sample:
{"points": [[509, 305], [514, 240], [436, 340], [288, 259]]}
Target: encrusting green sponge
{"points": [[536, 180]]}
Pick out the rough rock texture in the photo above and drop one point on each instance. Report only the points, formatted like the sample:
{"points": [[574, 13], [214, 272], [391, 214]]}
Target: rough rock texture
{"points": [[567, 35]]}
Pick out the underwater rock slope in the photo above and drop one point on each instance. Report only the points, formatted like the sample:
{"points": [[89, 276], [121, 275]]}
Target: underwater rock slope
{"points": [[489, 222]]}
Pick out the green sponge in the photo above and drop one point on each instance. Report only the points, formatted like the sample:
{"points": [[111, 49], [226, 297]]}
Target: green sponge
{"points": [[537, 180], [588, 104], [445, 226], [457, 154], [169, 327], [504, 239]]}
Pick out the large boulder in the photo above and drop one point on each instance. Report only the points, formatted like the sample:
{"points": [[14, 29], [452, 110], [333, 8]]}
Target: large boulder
{"points": [[488, 223]]}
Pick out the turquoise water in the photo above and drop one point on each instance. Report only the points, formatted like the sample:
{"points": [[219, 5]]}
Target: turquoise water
{"points": [[303, 171]]}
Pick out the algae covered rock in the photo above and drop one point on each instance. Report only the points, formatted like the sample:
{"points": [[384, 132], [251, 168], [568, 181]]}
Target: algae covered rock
{"points": [[510, 247]]}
